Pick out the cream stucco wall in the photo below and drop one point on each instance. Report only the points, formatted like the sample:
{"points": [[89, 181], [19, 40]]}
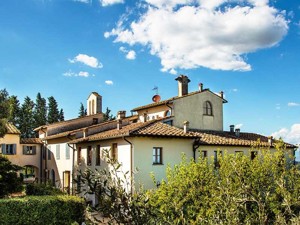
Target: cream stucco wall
{"points": [[172, 150], [19, 158], [190, 108]]}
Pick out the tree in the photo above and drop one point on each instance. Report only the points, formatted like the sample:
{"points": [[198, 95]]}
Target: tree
{"points": [[3, 111], [82, 111], [107, 115], [9, 181], [40, 111], [61, 115], [13, 110], [53, 113], [27, 119]]}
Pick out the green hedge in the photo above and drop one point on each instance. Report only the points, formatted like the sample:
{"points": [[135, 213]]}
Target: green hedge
{"points": [[42, 210]]}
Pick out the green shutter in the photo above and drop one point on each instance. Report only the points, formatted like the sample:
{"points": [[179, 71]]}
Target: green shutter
{"points": [[24, 150], [33, 150], [3, 147], [14, 149]]}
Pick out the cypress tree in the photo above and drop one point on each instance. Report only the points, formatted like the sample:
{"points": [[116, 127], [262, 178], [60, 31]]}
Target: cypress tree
{"points": [[26, 125], [40, 112], [61, 115], [53, 113], [14, 110], [82, 111]]}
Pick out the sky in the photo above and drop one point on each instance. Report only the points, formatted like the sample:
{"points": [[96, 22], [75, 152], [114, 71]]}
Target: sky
{"points": [[122, 49]]}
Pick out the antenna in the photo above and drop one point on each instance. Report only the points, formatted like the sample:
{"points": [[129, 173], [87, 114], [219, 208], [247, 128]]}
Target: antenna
{"points": [[155, 89]]}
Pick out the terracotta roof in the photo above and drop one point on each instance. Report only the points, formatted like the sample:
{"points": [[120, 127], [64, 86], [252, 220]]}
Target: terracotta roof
{"points": [[230, 139], [173, 98], [31, 141], [11, 129]]}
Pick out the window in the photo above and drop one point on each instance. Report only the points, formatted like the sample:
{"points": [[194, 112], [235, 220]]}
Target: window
{"points": [[66, 181], [29, 150], [204, 154], [67, 151], [207, 108], [98, 155], [114, 151], [89, 156], [9, 149], [216, 160], [157, 155], [79, 156], [57, 151], [253, 155]]}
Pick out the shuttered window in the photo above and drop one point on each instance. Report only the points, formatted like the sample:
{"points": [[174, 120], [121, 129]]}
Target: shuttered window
{"points": [[9, 149], [29, 150], [57, 151]]}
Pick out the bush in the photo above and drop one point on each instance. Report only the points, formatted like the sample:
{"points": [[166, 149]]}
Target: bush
{"points": [[42, 210], [42, 189]]}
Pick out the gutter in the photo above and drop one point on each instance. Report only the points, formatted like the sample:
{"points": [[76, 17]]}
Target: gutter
{"points": [[73, 162], [131, 162]]}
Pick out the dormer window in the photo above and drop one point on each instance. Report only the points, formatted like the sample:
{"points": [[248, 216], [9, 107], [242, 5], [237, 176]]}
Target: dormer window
{"points": [[207, 108]]}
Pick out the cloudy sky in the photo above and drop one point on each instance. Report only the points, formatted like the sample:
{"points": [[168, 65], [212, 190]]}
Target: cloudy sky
{"points": [[122, 49]]}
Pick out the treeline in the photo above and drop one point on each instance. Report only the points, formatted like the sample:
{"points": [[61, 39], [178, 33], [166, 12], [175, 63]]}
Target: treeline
{"points": [[29, 115]]}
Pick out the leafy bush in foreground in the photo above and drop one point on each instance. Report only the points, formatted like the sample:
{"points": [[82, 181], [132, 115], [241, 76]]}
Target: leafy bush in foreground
{"points": [[42, 210], [42, 189]]}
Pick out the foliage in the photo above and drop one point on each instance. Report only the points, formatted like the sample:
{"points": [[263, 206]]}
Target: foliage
{"points": [[40, 111], [14, 110], [82, 111], [265, 190], [27, 118], [9, 181], [107, 115], [40, 210], [3, 128], [53, 113], [61, 116], [116, 200], [42, 189]]}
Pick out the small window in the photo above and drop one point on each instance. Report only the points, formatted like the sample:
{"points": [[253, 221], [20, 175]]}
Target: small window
{"points": [[114, 151], [57, 152], [79, 156], [89, 155], [98, 154], [204, 154], [157, 155], [207, 108], [9, 149], [67, 151], [29, 150], [217, 154], [253, 155]]}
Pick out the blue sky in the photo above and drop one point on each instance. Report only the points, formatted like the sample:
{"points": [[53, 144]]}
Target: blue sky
{"points": [[250, 49]]}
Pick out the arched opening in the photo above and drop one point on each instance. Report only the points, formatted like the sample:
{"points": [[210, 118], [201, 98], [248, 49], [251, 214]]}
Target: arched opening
{"points": [[29, 174], [167, 113], [207, 108]]}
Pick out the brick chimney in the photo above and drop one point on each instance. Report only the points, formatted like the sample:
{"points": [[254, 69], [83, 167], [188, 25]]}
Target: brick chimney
{"points": [[183, 85], [119, 124], [186, 126]]}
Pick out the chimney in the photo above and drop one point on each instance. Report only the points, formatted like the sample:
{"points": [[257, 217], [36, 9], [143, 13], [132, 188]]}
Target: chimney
{"points": [[121, 115], [183, 82], [270, 140], [186, 126], [237, 132], [200, 87], [119, 124], [231, 128], [221, 94], [145, 117], [85, 133]]}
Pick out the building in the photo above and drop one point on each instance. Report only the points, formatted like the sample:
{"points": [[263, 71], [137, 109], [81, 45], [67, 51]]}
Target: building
{"points": [[25, 152], [154, 136]]}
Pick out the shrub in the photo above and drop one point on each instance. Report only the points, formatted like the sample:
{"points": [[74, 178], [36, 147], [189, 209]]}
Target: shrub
{"points": [[42, 210], [42, 189]]}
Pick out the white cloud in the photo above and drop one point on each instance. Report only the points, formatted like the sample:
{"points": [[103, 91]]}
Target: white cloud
{"points": [[110, 2], [109, 82], [82, 1], [80, 74], [131, 55], [87, 60], [290, 135], [292, 104], [186, 35], [235, 90], [238, 126]]}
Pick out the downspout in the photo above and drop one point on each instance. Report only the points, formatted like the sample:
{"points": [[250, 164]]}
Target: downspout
{"points": [[73, 162], [196, 145], [131, 162], [167, 104]]}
